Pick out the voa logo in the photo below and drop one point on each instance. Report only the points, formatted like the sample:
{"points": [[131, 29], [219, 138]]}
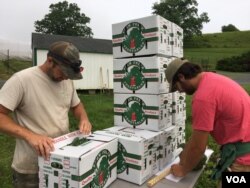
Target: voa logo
{"points": [[236, 179]]}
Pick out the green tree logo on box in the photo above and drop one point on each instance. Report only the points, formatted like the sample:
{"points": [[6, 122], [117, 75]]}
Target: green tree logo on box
{"points": [[121, 162], [102, 169], [134, 113], [134, 79], [133, 38]]}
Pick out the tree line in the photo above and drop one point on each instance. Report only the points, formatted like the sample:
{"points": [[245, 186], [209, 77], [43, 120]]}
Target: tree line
{"points": [[66, 18]]}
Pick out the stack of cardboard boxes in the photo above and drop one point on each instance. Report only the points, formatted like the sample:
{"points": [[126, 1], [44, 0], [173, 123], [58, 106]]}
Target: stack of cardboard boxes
{"points": [[149, 120]]}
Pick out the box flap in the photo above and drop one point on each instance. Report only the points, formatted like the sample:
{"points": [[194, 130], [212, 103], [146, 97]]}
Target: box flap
{"points": [[120, 133], [76, 144], [67, 139], [98, 137]]}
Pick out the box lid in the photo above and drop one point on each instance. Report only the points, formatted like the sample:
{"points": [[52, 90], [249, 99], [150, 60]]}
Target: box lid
{"points": [[75, 144]]}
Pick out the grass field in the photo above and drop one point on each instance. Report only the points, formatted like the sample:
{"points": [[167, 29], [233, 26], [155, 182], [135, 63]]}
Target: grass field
{"points": [[100, 110], [210, 56], [7, 68], [209, 48], [237, 39]]}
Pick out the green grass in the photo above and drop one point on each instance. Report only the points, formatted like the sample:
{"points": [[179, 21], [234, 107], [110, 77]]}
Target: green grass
{"points": [[100, 110], [210, 56], [7, 68], [238, 39], [209, 48], [7, 149]]}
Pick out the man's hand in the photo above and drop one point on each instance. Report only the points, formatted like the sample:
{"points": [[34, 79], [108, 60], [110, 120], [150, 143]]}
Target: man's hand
{"points": [[85, 127], [43, 145], [192, 153], [84, 124], [178, 170]]}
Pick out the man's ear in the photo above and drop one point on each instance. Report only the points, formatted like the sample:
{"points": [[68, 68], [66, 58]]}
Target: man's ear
{"points": [[181, 77], [50, 60]]}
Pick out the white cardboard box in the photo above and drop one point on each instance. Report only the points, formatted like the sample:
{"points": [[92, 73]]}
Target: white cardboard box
{"points": [[144, 75], [142, 36], [177, 43], [168, 146], [179, 107], [150, 112], [90, 162], [180, 133], [138, 153]]}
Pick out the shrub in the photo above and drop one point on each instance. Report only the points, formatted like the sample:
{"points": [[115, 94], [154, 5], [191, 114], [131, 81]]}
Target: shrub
{"points": [[235, 63]]}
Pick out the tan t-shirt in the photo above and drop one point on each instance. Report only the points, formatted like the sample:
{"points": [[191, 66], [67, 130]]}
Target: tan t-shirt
{"points": [[40, 105]]}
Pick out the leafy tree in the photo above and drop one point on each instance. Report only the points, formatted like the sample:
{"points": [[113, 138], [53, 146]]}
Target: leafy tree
{"points": [[228, 28], [183, 13], [64, 19]]}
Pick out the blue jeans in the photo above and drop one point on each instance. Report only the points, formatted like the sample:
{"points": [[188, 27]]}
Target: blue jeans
{"points": [[25, 180]]}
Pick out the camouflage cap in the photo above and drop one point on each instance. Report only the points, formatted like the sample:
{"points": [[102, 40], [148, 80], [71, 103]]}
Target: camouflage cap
{"points": [[66, 55], [171, 70]]}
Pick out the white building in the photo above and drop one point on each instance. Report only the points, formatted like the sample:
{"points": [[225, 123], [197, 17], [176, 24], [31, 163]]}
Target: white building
{"points": [[96, 56]]}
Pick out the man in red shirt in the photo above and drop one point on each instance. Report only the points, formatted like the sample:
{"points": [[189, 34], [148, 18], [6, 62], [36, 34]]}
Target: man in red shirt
{"points": [[220, 108]]}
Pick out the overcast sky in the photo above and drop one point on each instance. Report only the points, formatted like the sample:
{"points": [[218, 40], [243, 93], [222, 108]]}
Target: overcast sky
{"points": [[17, 17]]}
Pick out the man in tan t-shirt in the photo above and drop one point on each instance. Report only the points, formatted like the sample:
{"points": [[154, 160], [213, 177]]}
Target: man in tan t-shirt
{"points": [[40, 98]]}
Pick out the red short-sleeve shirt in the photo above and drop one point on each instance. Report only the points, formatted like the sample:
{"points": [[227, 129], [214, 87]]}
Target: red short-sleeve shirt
{"points": [[222, 107]]}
